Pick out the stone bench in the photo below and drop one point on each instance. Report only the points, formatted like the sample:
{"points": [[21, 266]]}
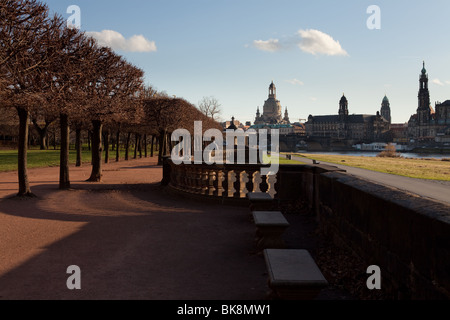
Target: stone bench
{"points": [[293, 274], [260, 201], [270, 226]]}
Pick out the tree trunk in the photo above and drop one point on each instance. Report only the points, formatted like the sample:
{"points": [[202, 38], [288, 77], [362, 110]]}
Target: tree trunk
{"points": [[162, 143], [43, 132], [24, 184], [135, 145], [106, 136], [43, 139], [78, 146], [153, 145], [140, 146], [145, 146], [64, 181], [127, 146], [118, 146], [96, 175]]}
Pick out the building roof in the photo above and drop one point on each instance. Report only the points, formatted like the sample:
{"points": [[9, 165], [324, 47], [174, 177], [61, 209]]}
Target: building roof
{"points": [[445, 103], [271, 126], [354, 118]]}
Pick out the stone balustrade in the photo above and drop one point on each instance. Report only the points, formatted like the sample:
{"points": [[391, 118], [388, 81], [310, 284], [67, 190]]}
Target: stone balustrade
{"points": [[220, 181]]}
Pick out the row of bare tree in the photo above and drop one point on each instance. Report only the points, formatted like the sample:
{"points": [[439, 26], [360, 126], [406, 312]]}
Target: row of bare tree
{"points": [[49, 72]]}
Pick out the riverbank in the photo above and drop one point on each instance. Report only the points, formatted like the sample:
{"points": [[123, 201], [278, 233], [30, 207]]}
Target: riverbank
{"points": [[421, 168]]}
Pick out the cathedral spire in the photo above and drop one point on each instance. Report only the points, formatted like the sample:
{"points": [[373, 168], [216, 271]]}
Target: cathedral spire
{"points": [[423, 111], [424, 71]]}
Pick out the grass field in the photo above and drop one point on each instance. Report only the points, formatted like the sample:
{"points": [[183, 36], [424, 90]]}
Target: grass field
{"points": [[283, 161], [415, 168], [432, 169], [48, 158]]}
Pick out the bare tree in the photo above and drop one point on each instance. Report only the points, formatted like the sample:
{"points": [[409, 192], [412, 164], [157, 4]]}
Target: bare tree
{"points": [[23, 59], [67, 74], [112, 94], [210, 107]]}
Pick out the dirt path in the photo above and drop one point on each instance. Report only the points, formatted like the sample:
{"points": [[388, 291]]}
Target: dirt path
{"points": [[130, 239]]}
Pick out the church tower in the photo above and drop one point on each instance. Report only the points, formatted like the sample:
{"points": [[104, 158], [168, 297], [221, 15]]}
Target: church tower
{"points": [[386, 109], [423, 111], [286, 117], [343, 108], [272, 91]]}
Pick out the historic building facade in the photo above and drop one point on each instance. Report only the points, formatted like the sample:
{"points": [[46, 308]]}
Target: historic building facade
{"points": [[354, 128], [428, 123], [272, 110]]}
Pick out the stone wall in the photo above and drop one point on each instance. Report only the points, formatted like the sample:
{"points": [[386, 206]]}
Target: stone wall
{"points": [[408, 237]]}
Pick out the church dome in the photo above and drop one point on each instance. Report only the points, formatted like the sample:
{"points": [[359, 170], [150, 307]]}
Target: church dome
{"points": [[343, 99], [385, 99]]}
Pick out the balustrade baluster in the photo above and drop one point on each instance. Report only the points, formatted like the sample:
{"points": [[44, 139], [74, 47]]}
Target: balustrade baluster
{"points": [[232, 177], [237, 184], [251, 178], [205, 182], [218, 183], [264, 185], [272, 180], [225, 185], [245, 178], [211, 180]]}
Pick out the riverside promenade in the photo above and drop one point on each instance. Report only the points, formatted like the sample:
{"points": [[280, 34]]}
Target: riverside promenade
{"points": [[130, 238], [431, 189]]}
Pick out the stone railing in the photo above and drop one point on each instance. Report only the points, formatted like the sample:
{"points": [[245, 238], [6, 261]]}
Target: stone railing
{"points": [[407, 236], [227, 181]]}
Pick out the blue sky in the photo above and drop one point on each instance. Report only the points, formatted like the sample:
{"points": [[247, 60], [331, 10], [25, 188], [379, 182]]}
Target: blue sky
{"points": [[232, 50]]}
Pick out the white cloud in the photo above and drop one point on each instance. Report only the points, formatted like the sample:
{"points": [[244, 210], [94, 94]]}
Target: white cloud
{"points": [[447, 82], [438, 82], [270, 45], [313, 99], [295, 82], [317, 42], [115, 40], [309, 41]]}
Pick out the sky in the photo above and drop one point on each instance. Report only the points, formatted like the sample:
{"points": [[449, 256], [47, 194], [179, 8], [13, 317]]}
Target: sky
{"points": [[314, 51]]}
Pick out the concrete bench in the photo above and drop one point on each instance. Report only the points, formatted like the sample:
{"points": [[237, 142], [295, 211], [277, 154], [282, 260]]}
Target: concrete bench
{"points": [[270, 226], [293, 274], [260, 201]]}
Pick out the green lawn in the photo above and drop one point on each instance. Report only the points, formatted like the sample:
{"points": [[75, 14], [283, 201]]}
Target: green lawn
{"points": [[48, 158], [284, 161], [432, 169]]}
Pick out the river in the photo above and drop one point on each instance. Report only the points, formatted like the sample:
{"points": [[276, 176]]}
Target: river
{"points": [[374, 154]]}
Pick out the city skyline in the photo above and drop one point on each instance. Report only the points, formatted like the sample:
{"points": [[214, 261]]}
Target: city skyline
{"points": [[314, 52]]}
